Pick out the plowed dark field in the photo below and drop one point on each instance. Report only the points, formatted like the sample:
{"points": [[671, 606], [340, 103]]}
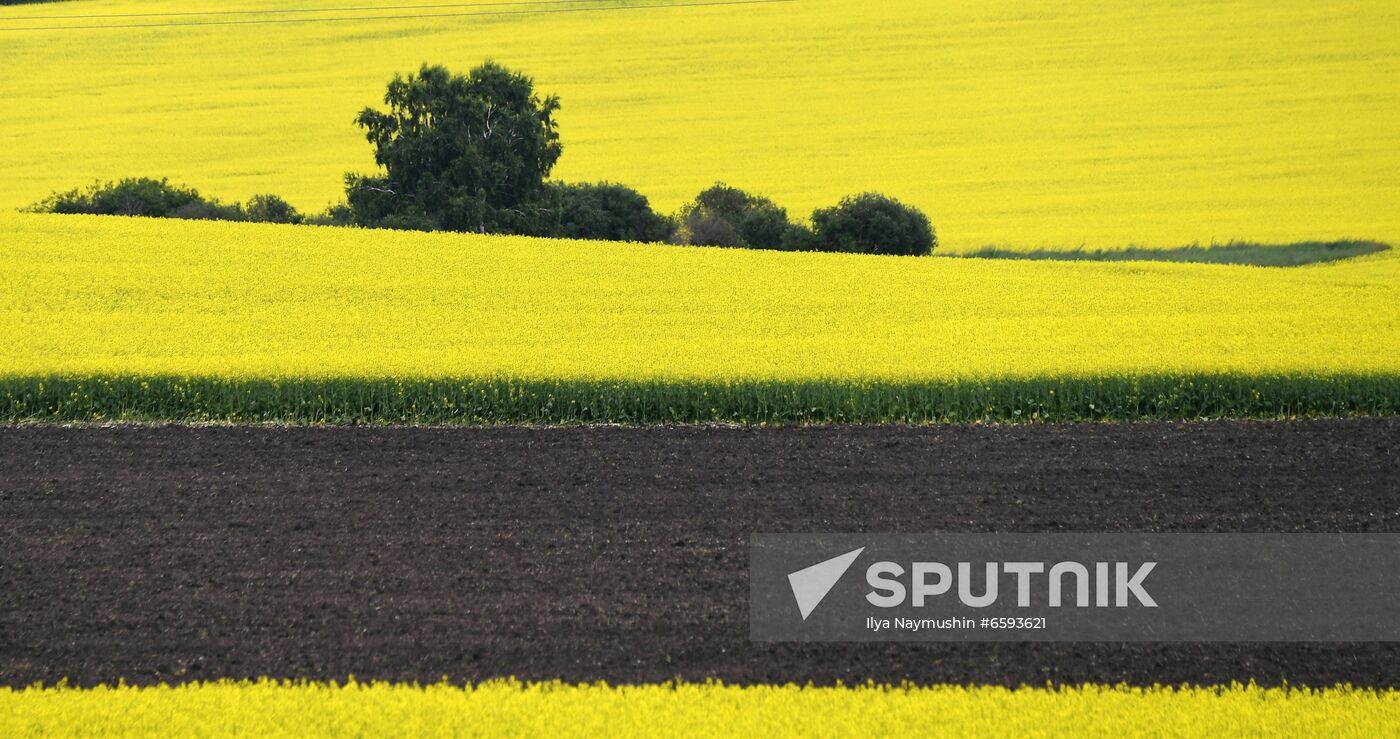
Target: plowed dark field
{"points": [[156, 554]]}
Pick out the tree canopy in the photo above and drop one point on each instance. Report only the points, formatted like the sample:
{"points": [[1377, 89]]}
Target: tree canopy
{"points": [[459, 152]]}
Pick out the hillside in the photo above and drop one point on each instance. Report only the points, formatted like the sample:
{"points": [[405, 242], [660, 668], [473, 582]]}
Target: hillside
{"points": [[1024, 124]]}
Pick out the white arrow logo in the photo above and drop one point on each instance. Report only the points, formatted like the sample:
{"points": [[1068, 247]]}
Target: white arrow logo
{"points": [[811, 584]]}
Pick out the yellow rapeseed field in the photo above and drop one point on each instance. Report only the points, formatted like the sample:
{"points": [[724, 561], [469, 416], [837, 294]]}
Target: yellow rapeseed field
{"points": [[85, 295], [1027, 122], [269, 709], [109, 317], [1059, 124]]}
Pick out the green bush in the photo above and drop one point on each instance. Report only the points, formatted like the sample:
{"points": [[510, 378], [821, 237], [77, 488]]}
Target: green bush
{"points": [[335, 215], [873, 224], [603, 211], [727, 216], [271, 209], [150, 198], [139, 196]]}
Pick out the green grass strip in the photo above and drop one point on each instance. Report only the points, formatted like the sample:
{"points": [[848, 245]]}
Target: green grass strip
{"points": [[566, 402], [1259, 255]]}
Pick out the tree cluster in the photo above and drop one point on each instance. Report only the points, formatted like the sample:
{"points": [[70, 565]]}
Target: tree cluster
{"points": [[474, 153]]}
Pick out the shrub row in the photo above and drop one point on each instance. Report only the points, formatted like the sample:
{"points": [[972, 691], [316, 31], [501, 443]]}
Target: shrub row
{"points": [[143, 196], [870, 223], [719, 216], [473, 153]]}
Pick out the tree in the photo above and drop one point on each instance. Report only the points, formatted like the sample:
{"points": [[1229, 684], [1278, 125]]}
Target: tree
{"points": [[459, 153], [873, 224], [604, 211], [727, 216]]}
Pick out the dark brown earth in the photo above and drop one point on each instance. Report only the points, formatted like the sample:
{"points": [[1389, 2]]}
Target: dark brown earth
{"points": [[174, 553]]}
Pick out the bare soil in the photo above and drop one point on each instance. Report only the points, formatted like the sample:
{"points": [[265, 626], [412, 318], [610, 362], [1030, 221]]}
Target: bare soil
{"points": [[162, 554]]}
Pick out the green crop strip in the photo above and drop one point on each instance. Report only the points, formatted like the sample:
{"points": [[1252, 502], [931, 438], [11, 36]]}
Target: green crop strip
{"points": [[1258, 255], [565, 402]]}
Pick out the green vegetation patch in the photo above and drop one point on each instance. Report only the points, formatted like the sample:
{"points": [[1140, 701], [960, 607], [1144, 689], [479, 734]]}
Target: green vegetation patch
{"points": [[1259, 255], [565, 402]]}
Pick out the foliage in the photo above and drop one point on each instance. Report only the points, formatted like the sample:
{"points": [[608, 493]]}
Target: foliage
{"points": [[459, 153], [350, 324], [271, 209], [865, 224], [798, 237], [603, 211], [334, 215], [873, 224], [143, 196], [726, 216], [138, 196]]}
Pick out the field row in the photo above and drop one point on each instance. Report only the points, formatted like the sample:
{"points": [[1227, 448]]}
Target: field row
{"points": [[513, 709], [168, 553], [567, 402], [107, 318]]}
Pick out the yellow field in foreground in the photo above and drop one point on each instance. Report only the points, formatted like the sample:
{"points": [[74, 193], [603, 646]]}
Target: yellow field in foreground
{"points": [[1028, 122], [110, 295], [270, 709]]}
